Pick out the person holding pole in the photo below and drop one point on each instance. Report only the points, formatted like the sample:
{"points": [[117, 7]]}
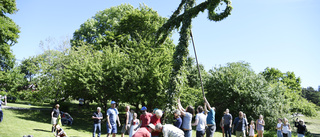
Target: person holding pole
{"points": [[187, 118], [211, 124]]}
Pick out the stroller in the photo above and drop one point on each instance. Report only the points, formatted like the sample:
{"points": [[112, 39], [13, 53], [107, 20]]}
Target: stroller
{"points": [[66, 118]]}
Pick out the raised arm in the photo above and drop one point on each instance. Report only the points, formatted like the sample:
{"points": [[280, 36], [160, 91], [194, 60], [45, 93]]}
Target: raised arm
{"points": [[205, 108], [207, 103], [182, 110]]}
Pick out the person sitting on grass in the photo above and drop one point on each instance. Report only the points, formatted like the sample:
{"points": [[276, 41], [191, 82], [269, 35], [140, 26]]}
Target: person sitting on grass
{"points": [[60, 132]]}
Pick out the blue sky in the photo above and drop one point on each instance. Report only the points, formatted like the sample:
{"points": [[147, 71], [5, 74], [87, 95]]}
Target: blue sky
{"points": [[283, 34]]}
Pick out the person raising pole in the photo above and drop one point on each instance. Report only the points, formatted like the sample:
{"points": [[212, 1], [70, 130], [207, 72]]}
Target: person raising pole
{"points": [[210, 118]]}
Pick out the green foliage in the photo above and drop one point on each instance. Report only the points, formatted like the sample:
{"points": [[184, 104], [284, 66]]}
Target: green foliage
{"points": [[30, 67], [11, 80], [181, 52], [142, 78], [311, 95], [297, 104], [101, 30], [237, 87], [8, 34]]}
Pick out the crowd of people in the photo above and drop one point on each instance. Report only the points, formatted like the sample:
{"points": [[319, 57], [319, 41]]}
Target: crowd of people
{"points": [[149, 124]]}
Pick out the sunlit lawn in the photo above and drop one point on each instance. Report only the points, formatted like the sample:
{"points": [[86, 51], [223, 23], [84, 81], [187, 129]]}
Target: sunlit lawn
{"points": [[17, 123]]}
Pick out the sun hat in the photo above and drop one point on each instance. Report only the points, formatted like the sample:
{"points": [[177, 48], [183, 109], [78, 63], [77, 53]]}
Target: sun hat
{"points": [[152, 126]]}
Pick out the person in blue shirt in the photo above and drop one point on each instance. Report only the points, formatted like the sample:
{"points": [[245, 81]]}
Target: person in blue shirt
{"points": [[211, 114], [112, 118], [240, 125], [177, 118]]}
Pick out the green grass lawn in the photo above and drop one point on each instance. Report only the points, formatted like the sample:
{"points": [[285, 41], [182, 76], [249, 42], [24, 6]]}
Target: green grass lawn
{"points": [[17, 123]]}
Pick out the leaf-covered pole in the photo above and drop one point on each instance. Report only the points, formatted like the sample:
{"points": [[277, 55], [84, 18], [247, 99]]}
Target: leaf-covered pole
{"points": [[181, 52]]}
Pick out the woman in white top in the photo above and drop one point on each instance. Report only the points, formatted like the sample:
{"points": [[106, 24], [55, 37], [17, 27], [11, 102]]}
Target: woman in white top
{"points": [[279, 134], [285, 128], [134, 124], [200, 122]]}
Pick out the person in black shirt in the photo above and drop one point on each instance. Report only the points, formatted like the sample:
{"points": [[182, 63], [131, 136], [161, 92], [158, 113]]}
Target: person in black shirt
{"points": [[301, 127], [54, 116], [97, 116]]}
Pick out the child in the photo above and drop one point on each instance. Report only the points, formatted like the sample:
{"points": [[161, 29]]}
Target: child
{"points": [[60, 132], [134, 124], [285, 128], [279, 134], [251, 132], [260, 126]]}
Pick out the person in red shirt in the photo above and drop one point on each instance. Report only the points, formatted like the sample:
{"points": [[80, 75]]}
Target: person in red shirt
{"points": [[144, 131], [155, 119], [145, 118]]}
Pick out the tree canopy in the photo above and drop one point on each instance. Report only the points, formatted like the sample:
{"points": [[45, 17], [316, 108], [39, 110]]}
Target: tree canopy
{"points": [[8, 34]]}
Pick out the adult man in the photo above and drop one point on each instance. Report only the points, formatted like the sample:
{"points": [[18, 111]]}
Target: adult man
{"points": [[112, 118], [144, 131], [2, 103], [126, 126], [210, 118], [97, 116], [240, 125], [155, 119], [200, 122], [227, 123], [145, 118], [169, 130]]}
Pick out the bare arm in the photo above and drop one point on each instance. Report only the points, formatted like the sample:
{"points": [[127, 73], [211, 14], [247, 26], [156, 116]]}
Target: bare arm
{"points": [[257, 125], [108, 121], [182, 110], [205, 109], [118, 120], [207, 103], [52, 114], [195, 122]]}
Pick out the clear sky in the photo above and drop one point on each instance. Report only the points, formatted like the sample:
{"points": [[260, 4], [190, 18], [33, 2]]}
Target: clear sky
{"points": [[283, 34]]}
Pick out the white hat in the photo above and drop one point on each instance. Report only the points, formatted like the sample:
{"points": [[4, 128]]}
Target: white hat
{"points": [[152, 126]]}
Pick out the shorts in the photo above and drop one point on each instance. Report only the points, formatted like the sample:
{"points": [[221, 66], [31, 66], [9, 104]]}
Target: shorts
{"points": [[112, 130], [123, 130], [54, 120]]}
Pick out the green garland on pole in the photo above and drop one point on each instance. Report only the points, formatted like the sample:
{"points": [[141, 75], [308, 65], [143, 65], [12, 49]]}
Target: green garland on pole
{"points": [[179, 57]]}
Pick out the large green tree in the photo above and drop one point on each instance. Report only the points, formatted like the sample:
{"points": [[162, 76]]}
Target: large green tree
{"points": [[133, 31], [237, 87], [8, 34]]}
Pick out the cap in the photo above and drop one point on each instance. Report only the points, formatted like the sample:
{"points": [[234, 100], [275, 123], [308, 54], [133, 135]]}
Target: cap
{"points": [[152, 126], [144, 108], [113, 102]]}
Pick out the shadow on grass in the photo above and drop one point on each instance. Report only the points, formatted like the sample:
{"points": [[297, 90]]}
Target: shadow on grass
{"points": [[81, 117], [42, 130]]}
